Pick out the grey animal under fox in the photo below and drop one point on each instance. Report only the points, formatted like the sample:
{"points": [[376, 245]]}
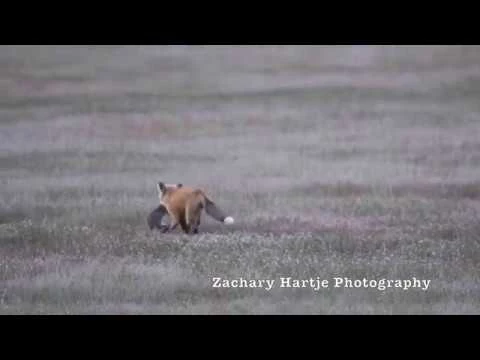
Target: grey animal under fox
{"points": [[154, 219]]}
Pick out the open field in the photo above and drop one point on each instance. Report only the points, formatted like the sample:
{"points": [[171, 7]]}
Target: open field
{"points": [[359, 162]]}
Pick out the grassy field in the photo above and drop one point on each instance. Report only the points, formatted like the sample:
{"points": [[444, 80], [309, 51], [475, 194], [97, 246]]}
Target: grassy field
{"points": [[357, 162]]}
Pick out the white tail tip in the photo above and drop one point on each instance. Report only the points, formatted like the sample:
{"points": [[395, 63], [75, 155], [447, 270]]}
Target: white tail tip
{"points": [[228, 220]]}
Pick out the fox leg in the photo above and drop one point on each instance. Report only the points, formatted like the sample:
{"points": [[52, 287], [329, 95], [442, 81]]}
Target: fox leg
{"points": [[195, 229], [197, 225], [174, 221], [170, 227], [192, 217], [183, 224]]}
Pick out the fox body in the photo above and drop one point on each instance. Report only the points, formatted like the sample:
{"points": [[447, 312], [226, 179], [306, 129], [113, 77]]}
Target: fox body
{"points": [[184, 205]]}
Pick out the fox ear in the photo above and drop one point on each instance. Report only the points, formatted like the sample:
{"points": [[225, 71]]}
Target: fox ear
{"points": [[161, 187], [179, 185]]}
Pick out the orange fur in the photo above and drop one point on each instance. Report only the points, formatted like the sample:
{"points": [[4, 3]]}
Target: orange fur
{"points": [[185, 204]]}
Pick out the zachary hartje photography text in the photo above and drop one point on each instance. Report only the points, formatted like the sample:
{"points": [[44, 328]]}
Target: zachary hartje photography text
{"points": [[317, 283]]}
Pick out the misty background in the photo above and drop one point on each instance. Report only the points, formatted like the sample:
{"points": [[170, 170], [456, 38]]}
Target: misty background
{"points": [[358, 161]]}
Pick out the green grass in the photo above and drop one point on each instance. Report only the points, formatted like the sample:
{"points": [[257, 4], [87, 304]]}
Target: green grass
{"points": [[357, 162]]}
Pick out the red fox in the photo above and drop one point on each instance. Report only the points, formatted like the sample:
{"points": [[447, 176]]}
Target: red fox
{"points": [[184, 205]]}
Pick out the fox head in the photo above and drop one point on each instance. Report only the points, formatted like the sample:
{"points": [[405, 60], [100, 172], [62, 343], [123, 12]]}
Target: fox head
{"points": [[164, 190]]}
